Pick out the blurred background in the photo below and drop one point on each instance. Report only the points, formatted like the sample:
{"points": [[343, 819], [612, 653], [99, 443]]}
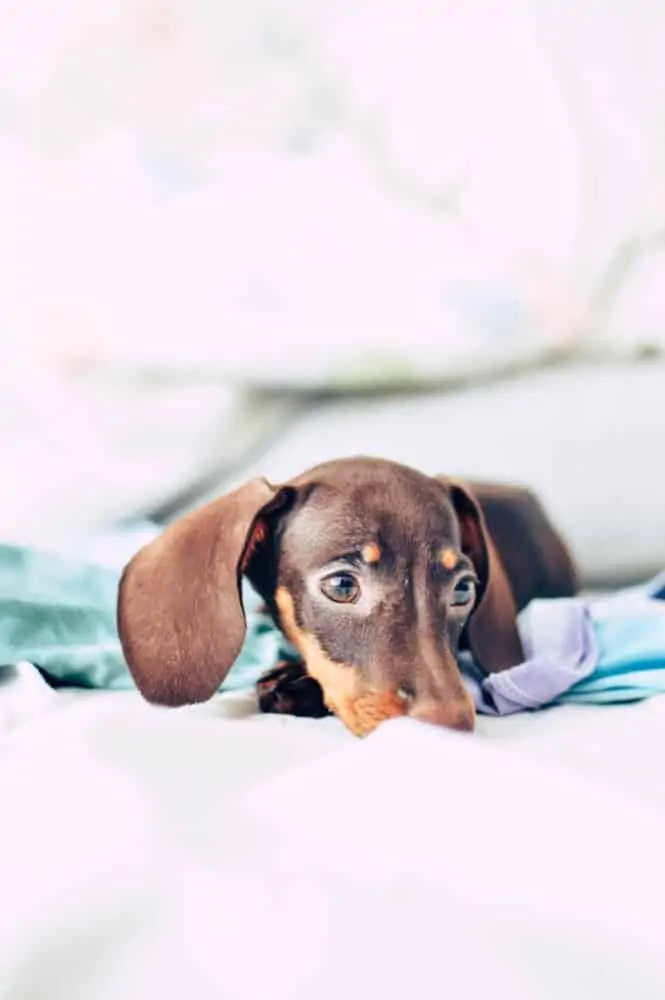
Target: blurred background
{"points": [[242, 237]]}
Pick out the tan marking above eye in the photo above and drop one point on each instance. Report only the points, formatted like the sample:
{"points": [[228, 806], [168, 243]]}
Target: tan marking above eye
{"points": [[360, 708], [371, 552], [449, 558]]}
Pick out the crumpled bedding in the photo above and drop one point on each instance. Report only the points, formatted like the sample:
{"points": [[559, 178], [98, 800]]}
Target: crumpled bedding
{"points": [[214, 852], [59, 613], [210, 852]]}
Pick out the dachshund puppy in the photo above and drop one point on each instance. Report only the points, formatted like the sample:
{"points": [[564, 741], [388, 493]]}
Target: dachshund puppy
{"points": [[376, 573]]}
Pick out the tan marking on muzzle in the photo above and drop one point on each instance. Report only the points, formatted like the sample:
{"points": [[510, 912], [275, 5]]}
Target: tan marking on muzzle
{"points": [[360, 707]]}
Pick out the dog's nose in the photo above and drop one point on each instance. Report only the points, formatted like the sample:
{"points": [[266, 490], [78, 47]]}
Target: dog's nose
{"points": [[459, 713]]}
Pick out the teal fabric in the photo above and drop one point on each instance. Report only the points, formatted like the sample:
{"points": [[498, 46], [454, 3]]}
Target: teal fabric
{"points": [[58, 612], [630, 632]]}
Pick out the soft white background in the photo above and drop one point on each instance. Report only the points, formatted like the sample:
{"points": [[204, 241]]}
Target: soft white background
{"points": [[303, 194], [202, 196]]}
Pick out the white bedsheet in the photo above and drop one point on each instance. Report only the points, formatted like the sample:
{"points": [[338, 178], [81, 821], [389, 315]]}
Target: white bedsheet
{"points": [[212, 852]]}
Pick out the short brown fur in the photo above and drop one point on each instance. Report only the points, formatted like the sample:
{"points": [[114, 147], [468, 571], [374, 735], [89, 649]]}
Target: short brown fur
{"points": [[359, 707], [389, 650]]}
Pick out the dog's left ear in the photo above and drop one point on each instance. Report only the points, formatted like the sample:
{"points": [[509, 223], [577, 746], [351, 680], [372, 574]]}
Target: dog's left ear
{"points": [[492, 629], [181, 619]]}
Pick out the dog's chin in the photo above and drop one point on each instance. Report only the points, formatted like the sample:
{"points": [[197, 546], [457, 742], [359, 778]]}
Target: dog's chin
{"points": [[367, 708], [364, 712]]}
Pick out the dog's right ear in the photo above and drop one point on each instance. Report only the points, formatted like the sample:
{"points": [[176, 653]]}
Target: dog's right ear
{"points": [[181, 619], [492, 629]]}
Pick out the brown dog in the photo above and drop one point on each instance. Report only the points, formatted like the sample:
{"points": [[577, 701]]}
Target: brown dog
{"points": [[376, 573]]}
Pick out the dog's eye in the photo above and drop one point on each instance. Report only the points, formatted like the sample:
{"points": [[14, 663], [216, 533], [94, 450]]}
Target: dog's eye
{"points": [[464, 592], [343, 588]]}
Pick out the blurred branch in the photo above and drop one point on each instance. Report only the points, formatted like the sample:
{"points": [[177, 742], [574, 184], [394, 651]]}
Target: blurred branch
{"points": [[478, 374], [273, 410], [270, 410], [265, 420], [485, 374], [625, 259]]}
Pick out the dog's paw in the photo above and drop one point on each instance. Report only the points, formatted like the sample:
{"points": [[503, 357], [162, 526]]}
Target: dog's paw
{"points": [[289, 690]]}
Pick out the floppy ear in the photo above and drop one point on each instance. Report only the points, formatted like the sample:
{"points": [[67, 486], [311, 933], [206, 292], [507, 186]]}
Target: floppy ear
{"points": [[180, 615], [492, 629]]}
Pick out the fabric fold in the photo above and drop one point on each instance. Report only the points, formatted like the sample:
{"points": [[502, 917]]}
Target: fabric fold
{"points": [[58, 613]]}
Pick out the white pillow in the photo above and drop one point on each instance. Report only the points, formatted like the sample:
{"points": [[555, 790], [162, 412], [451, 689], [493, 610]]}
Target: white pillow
{"points": [[590, 442]]}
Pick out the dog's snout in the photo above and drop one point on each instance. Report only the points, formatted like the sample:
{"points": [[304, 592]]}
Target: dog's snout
{"points": [[438, 694], [459, 713]]}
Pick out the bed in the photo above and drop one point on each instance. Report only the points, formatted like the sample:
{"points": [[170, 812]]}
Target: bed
{"points": [[233, 245], [213, 852]]}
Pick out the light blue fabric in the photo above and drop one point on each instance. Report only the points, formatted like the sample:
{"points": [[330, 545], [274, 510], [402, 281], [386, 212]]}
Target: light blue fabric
{"points": [[58, 612], [560, 649], [630, 631]]}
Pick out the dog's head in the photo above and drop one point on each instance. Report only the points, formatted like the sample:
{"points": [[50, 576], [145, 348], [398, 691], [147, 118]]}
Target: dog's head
{"points": [[375, 572]]}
